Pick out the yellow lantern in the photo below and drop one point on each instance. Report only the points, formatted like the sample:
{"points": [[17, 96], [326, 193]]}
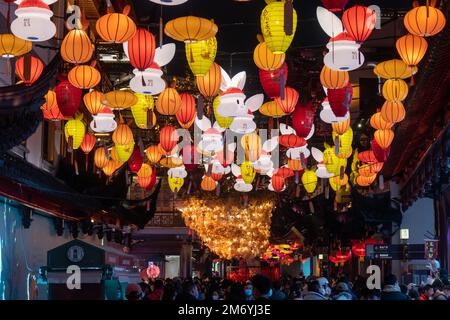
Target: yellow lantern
{"points": [[332, 162], [113, 154], [251, 142], [424, 21], [377, 122], [224, 122], [394, 69], [74, 131], [145, 171], [393, 111], [341, 127], [120, 99], [124, 152], [271, 109], [345, 142], [333, 184], [76, 47], [395, 90], [275, 29], [100, 158], [309, 181], [384, 138], [93, 102], [175, 184], [248, 172], [12, 46], [265, 59], [153, 154], [200, 55], [208, 184], [145, 104], [190, 29]]}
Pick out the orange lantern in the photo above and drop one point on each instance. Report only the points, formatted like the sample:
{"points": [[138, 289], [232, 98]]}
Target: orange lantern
{"points": [[84, 77], [187, 112], [393, 111], [29, 68], [338, 181], [168, 138], [341, 127], [359, 22], [110, 167], [384, 138], [394, 69], [122, 135], [287, 105], [367, 157], [295, 165], [333, 79], [365, 181], [265, 59], [100, 158], [424, 21], [88, 143], [395, 90], [50, 100], [119, 99], [284, 172], [278, 183], [153, 154], [76, 47], [145, 171], [209, 84], [377, 122], [144, 182], [216, 176], [190, 29], [369, 169], [116, 27], [52, 114], [167, 153], [208, 184], [169, 102], [141, 49], [271, 109], [411, 49], [93, 102]]}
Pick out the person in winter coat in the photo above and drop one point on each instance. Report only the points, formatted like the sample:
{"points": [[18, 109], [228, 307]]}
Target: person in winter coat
{"points": [[342, 292], [391, 289], [315, 291], [439, 293]]}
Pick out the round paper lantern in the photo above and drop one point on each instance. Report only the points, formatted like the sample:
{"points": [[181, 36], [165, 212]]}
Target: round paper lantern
{"points": [[333, 79], [393, 111], [295, 165], [116, 27], [136, 160], [144, 182], [340, 181], [343, 53], [124, 152], [200, 55], [309, 181], [395, 90], [76, 47], [365, 181], [153, 154], [145, 171], [251, 142], [93, 102], [340, 100], [169, 102], [265, 59], [33, 21], [29, 69], [394, 69], [334, 5], [384, 138], [303, 119], [341, 127], [216, 176], [141, 49], [411, 49], [186, 115], [84, 77], [190, 29], [74, 131], [175, 184], [287, 105], [168, 138], [274, 80], [50, 100], [208, 184], [120, 99], [142, 111], [369, 169], [12, 46], [284, 172], [278, 25], [424, 21], [52, 114], [209, 84], [380, 153], [171, 162], [224, 122], [110, 167], [359, 22], [271, 109], [168, 153], [291, 141], [367, 157], [88, 143], [100, 158], [377, 122], [122, 135], [278, 183], [68, 98]]}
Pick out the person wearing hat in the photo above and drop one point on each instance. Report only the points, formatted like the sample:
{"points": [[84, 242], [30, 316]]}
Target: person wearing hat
{"points": [[342, 292], [133, 292], [391, 289]]}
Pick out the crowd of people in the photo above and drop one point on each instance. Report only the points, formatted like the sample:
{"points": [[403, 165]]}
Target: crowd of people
{"points": [[287, 288]]}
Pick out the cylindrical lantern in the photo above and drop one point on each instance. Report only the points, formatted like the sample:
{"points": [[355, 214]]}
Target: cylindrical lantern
{"points": [[274, 81], [84, 77], [116, 27], [359, 22], [209, 84], [29, 69], [333, 79], [186, 115], [287, 105], [384, 138], [93, 101], [424, 21], [393, 111], [168, 138], [169, 102], [141, 49], [77, 47], [265, 59], [200, 55]]}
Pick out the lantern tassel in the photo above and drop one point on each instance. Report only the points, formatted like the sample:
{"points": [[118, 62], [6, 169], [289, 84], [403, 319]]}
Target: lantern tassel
{"points": [[297, 190], [191, 55], [149, 119], [87, 161], [412, 83], [288, 17], [282, 85], [200, 107], [8, 67], [143, 81]]}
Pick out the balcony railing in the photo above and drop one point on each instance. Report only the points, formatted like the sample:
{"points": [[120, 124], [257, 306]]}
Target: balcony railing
{"points": [[166, 219]]}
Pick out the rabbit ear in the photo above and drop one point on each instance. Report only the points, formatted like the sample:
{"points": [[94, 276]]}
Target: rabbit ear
{"points": [[329, 22], [238, 80], [317, 154], [227, 170], [270, 144], [164, 54], [236, 170], [311, 133], [285, 129], [226, 80], [218, 127], [253, 103], [204, 123]]}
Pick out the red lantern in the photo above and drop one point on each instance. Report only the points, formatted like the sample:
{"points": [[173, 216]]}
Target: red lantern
{"points": [[359, 249], [341, 257], [278, 183], [340, 100], [187, 112], [53, 114], [367, 157], [359, 22], [152, 179], [168, 138], [88, 143], [303, 119], [287, 105], [141, 49], [291, 141], [335, 5], [136, 160], [216, 176], [29, 69], [68, 98], [274, 81], [190, 157], [284, 172], [380, 154]]}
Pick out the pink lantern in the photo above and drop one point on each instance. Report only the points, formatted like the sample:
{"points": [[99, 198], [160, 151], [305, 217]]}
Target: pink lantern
{"points": [[340, 100], [274, 81], [152, 270], [136, 160], [303, 119]]}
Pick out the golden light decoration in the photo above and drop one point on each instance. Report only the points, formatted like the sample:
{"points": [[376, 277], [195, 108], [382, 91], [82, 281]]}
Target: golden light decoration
{"points": [[309, 181], [141, 110], [190, 29], [100, 159], [333, 79], [265, 59], [411, 49], [84, 77], [377, 122], [200, 55], [153, 154], [120, 99], [271, 109], [384, 138], [116, 27], [393, 111], [230, 230], [93, 101], [169, 102], [394, 69], [395, 90], [424, 21], [12, 46], [76, 47], [278, 25], [208, 184], [251, 142]]}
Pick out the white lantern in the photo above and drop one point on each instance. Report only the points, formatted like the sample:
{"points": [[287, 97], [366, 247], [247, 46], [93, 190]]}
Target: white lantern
{"points": [[344, 54], [296, 153], [241, 186], [177, 172], [103, 121], [211, 142], [327, 114], [243, 125], [148, 81], [33, 21], [322, 172], [169, 2], [264, 163]]}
